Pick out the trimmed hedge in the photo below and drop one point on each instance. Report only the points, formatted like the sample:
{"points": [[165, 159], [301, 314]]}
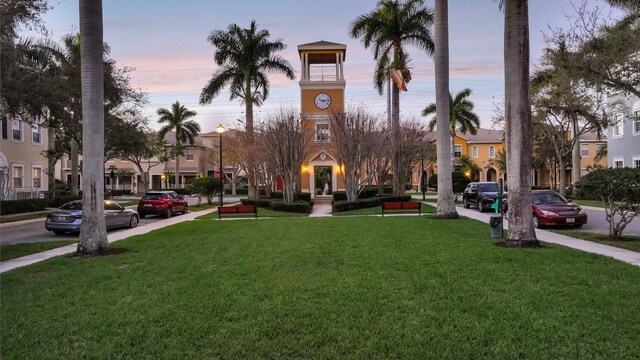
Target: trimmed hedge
{"points": [[120, 192], [366, 193], [299, 196], [242, 191], [299, 206], [339, 206], [8, 207]]}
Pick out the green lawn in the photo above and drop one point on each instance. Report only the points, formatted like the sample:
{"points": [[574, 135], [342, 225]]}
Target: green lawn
{"points": [[358, 287], [22, 217], [17, 250], [262, 212], [629, 242], [426, 209], [594, 203]]}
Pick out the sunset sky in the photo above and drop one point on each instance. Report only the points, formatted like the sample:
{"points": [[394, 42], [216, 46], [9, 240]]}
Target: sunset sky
{"points": [[166, 43]]}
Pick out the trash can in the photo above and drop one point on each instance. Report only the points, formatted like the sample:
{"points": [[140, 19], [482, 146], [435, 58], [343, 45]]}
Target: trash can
{"points": [[496, 225]]}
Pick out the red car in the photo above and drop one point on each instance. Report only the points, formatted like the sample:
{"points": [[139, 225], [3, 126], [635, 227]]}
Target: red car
{"points": [[165, 203], [551, 209]]}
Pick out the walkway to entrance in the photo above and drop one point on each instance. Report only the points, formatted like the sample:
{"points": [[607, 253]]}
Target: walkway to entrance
{"points": [[321, 208]]}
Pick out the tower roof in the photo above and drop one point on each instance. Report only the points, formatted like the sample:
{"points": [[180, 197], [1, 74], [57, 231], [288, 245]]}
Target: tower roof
{"points": [[323, 45]]}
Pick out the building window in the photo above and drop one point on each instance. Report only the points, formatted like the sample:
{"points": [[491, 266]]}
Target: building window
{"points": [[36, 133], [18, 176], [618, 163], [16, 130], [618, 127], [584, 150], [457, 150], [636, 122], [636, 162], [474, 152], [322, 132], [37, 176], [5, 128], [190, 154], [492, 151]]}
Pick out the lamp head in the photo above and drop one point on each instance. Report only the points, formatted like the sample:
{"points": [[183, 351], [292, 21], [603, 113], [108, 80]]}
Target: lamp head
{"points": [[220, 129]]}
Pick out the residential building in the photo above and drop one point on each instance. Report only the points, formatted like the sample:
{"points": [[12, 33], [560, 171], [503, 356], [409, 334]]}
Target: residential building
{"points": [[23, 166], [623, 141]]}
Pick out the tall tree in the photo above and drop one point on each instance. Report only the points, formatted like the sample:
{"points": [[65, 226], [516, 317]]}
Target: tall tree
{"points": [[93, 232], [461, 115], [518, 122], [388, 29], [244, 57], [177, 120]]}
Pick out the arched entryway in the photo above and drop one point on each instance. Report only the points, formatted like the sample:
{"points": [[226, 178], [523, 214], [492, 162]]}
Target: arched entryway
{"points": [[492, 175]]}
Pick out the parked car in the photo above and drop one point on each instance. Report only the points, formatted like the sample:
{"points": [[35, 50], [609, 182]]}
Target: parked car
{"points": [[165, 203], [69, 216], [551, 209], [481, 195]]}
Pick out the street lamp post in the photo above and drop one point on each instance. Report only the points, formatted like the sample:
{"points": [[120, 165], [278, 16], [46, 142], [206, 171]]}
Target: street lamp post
{"points": [[220, 130]]}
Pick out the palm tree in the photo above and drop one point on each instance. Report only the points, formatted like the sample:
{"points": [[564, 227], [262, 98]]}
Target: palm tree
{"points": [[388, 30], [244, 57], [461, 115], [93, 232], [518, 122], [177, 120]]}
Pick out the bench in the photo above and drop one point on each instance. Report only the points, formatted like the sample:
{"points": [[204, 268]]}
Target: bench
{"points": [[237, 209], [402, 205]]}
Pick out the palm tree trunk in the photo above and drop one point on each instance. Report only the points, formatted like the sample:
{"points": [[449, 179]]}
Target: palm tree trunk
{"points": [[518, 123], [93, 233], [51, 161], [398, 182], [177, 175], [446, 204], [253, 191]]}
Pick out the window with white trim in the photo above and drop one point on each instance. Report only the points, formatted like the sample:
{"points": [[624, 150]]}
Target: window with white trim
{"points": [[17, 173], [36, 133], [457, 150], [636, 162], [492, 151], [474, 151], [618, 163], [584, 150], [189, 154], [36, 175], [618, 126], [322, 132], [636, 122], [16, 130]]}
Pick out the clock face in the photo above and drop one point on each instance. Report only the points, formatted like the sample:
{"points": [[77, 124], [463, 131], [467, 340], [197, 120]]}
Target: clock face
{"points": [[322, 101]]}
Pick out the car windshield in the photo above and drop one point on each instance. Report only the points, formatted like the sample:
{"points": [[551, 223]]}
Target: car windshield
{"points": [[76, 205], [154, 196], [547, 198], [488, 187]]}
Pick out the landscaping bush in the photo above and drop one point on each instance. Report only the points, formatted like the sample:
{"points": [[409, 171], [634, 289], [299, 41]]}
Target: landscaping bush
{"points": [[185, 191], [120, 192], [262, 202], [207, 187], [298, 196], [344, 205], [240, 191], [297, 206], [339, 196], [8, 207], [619, 191]]}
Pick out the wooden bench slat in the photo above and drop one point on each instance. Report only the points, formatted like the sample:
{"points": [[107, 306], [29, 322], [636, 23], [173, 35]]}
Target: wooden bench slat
{"points": [[402, 205], [237, 209]]}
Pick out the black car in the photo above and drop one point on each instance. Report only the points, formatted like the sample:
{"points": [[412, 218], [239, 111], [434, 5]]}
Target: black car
{"points": [[481, 195]]}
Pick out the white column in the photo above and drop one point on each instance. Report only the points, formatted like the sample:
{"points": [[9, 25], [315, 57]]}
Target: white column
{"points": [[341, 66], [306, 67], [337, 66]]}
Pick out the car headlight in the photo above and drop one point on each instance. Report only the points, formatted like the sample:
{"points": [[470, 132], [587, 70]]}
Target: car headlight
{"points": [[548, 213], [582, 212]]}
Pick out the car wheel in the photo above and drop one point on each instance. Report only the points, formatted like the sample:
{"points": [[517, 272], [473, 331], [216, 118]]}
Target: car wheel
{"points": [[133, 222], [481, 206], [59, 232], [186, 209], [466, 203], [536, 222], [168, 213], [142, 216]]}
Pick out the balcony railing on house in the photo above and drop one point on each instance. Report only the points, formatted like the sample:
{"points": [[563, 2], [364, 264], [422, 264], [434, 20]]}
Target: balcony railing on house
{"points": [[22, 193]]}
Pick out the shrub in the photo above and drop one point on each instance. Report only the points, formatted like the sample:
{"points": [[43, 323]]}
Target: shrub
{"points": [[120, 192], [344, 205], [619, 191], [61, 200], [8, 207], [297, 206], [460, 182], [239, 191], [205, 186], [298, 196], [339, 196], [432, 181]]}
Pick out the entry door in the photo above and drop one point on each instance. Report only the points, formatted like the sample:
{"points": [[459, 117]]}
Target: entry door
{"points": [[323, 180]]}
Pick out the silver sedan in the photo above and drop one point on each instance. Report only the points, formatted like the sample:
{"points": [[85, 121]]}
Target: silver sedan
{"points": [[69, 216]]}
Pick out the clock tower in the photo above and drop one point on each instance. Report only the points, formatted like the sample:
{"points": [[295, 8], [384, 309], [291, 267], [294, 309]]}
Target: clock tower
{"points": [[321, 93]]}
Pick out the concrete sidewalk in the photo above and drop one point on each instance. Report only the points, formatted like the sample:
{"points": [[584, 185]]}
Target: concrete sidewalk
{"points": [[628, 256], [321, 208], [34, 258]]}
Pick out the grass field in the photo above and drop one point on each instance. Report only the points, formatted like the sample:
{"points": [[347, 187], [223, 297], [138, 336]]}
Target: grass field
{"points": [[356, 287], [594, 203], [629, 242], [13, 251]]}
